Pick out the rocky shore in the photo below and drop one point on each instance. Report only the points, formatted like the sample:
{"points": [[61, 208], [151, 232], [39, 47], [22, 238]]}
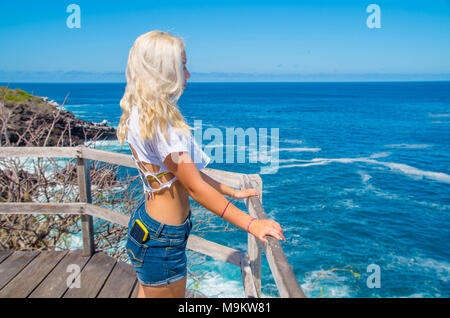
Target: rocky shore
{"points": [[25, 114]]}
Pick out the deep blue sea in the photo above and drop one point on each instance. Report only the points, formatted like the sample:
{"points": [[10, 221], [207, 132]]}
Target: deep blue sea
{"points": [[363, 178]]}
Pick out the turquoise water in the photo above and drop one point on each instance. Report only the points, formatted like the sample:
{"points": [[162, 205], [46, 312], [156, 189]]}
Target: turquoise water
{"points": [[363, 178]]}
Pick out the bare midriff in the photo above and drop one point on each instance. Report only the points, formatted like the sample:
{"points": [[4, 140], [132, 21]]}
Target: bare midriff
{"points": [[168, 205]]}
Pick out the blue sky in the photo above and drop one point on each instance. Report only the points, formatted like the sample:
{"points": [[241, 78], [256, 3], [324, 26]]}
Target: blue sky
{"points": [[255, 38]]}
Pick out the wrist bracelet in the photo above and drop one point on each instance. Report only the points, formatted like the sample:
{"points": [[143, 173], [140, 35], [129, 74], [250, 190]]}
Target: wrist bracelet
{"points": [[250, 222], [225, 209]]}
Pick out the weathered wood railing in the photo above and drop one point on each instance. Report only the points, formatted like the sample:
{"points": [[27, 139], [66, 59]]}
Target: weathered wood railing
{"points": [[250, 263]]}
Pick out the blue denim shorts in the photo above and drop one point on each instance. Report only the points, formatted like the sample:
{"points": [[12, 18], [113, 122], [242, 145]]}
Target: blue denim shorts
{"points": [[161, 259]]}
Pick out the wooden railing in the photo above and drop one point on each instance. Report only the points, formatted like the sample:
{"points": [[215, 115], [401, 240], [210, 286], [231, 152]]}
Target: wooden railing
{"points": [[249, 263]]}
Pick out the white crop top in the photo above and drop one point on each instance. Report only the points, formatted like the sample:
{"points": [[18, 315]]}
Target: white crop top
{"points": [[156, 150]]}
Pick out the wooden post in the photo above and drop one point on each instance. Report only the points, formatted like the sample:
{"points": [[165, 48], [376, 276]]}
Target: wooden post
{"points": [[87, 223], [247, 277], [254, 245], [282, 272]]}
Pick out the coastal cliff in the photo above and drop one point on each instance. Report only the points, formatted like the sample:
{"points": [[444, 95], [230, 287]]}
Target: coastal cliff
{"points": [[23, 115]]}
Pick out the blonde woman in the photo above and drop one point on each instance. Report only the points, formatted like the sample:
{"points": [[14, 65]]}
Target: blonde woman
{"points": [[169, 163]]}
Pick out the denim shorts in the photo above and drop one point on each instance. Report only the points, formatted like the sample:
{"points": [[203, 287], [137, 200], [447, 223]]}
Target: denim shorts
{"points": [[161, 259]]}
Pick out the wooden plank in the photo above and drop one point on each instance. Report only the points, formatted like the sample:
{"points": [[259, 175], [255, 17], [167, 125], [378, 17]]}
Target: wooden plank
{"points": [[56, 283], [231, 179], [255, 182], [14, 264], [32, 275], [87, 222], [247, 278], [39, 152], [108, 157], [254, 258], [120, 283], [4, 255], [282, 272], [41, 208], [135, 291], [216, 251], [254, 245], [92, 277], [108, 215]]}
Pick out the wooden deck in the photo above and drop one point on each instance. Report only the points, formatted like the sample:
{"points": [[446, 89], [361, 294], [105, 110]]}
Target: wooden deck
{"points": [[45, 274]]}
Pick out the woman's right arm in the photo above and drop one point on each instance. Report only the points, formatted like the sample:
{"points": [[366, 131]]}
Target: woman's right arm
{"points": [[182, 166]]}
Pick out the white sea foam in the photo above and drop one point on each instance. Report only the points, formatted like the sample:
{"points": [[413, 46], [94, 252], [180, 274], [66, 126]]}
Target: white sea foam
{"points": [[438, 115], [414, 172], [397, 167], [364, 176], [432, 205], [292, 160], [409, 146], [346, 203], [213, 284], [76, 241], [369, 187], [440, 122], [380, 154], [82, 105], [436, 268], [321, 283], [392, 196], [298, 149], [292, 141], [313, 162]]}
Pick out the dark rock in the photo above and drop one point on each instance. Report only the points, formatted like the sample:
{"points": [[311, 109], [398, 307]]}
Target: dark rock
{"points": [[36, 118]]}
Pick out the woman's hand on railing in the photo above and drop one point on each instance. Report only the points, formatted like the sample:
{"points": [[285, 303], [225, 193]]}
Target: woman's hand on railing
{"points": [[261, 228], [241, 194]]}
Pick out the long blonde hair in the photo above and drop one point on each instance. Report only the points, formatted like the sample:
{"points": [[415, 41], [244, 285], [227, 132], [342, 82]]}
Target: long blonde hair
{"points": [[155, 80]]}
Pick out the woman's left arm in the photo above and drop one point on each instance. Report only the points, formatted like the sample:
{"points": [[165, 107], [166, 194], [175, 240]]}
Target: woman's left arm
{"points": [[228, 191]]}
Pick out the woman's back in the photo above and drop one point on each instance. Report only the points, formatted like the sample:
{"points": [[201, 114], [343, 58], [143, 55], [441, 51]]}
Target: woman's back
{"points": [[166, 196]]}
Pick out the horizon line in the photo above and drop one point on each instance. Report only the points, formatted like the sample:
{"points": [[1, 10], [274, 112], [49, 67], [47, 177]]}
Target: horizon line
{"points": [[236, 82], [221, 77]]}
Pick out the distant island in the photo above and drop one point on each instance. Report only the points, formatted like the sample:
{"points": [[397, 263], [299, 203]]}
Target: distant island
{"points": [[23, 114]]}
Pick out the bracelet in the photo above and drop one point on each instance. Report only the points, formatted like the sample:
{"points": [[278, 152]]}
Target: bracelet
{"points": [[250, 222], [225, 209]]}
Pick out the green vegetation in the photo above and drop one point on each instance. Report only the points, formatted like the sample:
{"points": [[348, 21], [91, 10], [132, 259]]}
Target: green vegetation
{"points": [[19, 95], [15, 95]]}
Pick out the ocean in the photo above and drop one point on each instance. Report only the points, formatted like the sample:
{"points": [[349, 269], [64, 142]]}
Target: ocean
{"points": [[360, 187]]}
